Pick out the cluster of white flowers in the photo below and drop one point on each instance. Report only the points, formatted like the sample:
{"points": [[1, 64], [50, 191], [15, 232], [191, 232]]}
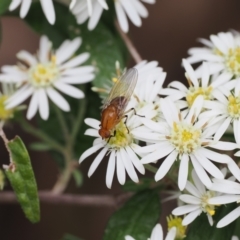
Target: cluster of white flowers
{"points": [[92, 10], [183, 128]]}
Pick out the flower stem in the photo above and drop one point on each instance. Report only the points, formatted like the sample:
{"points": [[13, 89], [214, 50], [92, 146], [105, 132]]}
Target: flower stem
{"points": [[41, 135], [131, 48], [150, 168]]}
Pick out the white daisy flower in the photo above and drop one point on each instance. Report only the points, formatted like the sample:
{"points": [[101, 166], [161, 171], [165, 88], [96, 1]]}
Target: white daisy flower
{"points": [[197, 202], [92, 9], [184, 138], [232, 194], [197, 86], [121, 147], [47, 7], [40, 76], [221, 52], [157, 234], [224, 111]]}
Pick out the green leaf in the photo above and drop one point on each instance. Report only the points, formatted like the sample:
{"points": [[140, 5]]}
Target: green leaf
{"points": [[78, 177], [68, 236], [144, 183], [200, 229], [4, 4], [136, 218], [21, 176], [40, 146]]}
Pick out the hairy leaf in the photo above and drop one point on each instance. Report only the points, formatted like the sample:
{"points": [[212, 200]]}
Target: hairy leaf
{"points": [[21, 176]]}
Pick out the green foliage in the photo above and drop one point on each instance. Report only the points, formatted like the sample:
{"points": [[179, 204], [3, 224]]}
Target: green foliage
{"points": [[40, 146], [68, 236], [21, 176], [4, 4], [144, 183], [200, 228], [78, 177], [136, 218]]}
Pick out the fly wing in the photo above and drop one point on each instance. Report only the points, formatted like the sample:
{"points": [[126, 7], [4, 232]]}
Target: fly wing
{"points": [[124, 87]]}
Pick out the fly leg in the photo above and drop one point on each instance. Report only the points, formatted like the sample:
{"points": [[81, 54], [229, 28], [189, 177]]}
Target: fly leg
{"points": [[114, 134], [135, 113]]}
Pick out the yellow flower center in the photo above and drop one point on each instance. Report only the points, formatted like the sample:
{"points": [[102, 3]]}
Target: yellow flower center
{"points": [[206, 207], [194, 92], [43, 75], [177, 222], [185, 137], [234, 106], [120, 136], [5, 113], [232, 60]]}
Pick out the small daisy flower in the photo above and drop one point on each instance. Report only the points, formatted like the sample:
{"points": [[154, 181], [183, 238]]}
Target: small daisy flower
{"points": [[221, 52], [92, 9], [42, 75], [184, 138], [121, 148], [232, 194], [157, 234], [197, 86], [224, 111], [47, 7], [197, 202], [173, 221]]}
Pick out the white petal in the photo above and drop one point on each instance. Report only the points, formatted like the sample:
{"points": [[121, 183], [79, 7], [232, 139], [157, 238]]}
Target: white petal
{"points": [[44, 49], [122, 19], [234, 169], [222, 129], [17, 99], [48, 9], [152, 157], [184, 209], [157, 232], [192, 189], [14, 4], [224, 146], [214, 156], [121, 174], [64, 53], [43, 104], [97, 161], [25, 7], [190, 72], [94, 19], [171, 234], [110, 169], [224, 199], [229, 218], [33, 106], [200, 172], [77, 79], [191, 217], [27, 58], [90, 151], [183, 172], [58, 99], [136, 162], [69, 90], [76, 61], [92, 122], [219, 44], [190, 199], [166, 165], [131, 12], [128, 165]]}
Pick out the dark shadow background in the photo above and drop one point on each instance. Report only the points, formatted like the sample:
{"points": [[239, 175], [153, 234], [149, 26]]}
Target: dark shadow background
{"points": [[171, 28]]}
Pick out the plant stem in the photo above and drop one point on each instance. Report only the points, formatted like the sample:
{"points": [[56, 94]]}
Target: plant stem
{"points": [[79, 119], [131, 48], [63, 124], [41, 135], [150, 168]]}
